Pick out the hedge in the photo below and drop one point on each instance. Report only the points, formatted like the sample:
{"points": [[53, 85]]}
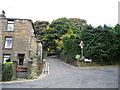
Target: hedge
{"points": [[7, 71]]}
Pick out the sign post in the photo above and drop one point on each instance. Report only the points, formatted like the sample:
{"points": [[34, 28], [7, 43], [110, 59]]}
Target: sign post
{"points": [[81, 45]]}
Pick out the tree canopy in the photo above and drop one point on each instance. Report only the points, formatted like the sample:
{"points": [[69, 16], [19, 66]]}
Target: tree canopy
{"points": [[40, 26], [62, 36], [55, 30], [99, 45]]}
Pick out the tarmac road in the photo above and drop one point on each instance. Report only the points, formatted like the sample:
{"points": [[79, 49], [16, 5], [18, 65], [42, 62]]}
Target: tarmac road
{"points": [[65, 76]]}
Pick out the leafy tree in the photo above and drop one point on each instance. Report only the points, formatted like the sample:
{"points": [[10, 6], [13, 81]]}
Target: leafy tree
{"points": [[117, 43], [62, 36], [80, 23], [99, 45], [70, 47], [40, 26], [62, 25], [56, 29]]}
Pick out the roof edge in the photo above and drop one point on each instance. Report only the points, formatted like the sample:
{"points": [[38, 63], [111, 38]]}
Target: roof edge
{"points": [[15, 19]]}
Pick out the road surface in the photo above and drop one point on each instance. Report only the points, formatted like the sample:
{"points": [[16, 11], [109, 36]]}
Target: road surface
{"points": [[65, 76]]}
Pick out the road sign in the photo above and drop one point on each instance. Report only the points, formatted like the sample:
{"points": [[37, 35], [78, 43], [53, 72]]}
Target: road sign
{"points": [[81, 44]]}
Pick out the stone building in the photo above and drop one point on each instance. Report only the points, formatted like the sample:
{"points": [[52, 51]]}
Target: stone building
{"points": [[17, 40]]}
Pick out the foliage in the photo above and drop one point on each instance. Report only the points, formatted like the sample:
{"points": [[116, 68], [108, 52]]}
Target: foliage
{"points": [[9, 63], [71, 45], [7, 71], [40, 26], [62, 25], [62, 36], [117, 43], [57, 29], [99, 45], [80, 23]]}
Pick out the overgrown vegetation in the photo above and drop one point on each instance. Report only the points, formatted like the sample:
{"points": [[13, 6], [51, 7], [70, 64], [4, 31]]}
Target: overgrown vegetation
{"points": [[101, 44], [7, 71], [62, 37]]}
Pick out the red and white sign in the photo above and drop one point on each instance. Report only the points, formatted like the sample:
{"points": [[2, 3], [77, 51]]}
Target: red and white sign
{"points": [[81, 44]]}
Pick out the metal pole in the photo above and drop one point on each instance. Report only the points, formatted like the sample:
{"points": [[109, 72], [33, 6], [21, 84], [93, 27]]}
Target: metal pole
{"points": [[82, 44], [82, 54]]}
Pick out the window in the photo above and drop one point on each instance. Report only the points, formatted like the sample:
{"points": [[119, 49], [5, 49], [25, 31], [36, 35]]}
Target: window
{"points": [[6, 58], [10, 26], [8, 42]]}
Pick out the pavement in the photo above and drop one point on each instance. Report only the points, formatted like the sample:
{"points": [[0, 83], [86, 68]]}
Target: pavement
{"points": [[60, 75], [44, 73]]}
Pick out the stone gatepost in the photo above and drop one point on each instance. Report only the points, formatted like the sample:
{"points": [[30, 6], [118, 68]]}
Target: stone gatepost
{"points": [[15, 69], [29, 65]]}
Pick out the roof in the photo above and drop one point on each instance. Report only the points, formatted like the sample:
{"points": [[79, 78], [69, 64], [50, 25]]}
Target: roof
{"points": [[16, 19]]}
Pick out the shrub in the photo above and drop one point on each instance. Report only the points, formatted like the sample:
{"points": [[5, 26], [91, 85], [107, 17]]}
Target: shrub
{"points": [[101, 44], [9, 63], [7, 71]]}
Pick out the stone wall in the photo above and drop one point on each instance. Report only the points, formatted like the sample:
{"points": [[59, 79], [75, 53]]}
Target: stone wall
{"points": [[24, 41], [34, 68], [1, 41], [3, 24]]}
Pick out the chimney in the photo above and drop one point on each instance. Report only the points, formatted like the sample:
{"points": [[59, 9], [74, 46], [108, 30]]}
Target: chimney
{"points": [[3, 14]]}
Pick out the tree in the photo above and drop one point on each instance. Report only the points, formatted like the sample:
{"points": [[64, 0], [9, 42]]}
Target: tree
{"points": [[99, 45], [80, 23], [57, 29], [70, 45], [40, 26], [117, 30], [63, 24]]}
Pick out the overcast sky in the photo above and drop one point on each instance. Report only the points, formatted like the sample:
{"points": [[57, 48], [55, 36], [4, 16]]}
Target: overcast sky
{"points": [[96, 12]]}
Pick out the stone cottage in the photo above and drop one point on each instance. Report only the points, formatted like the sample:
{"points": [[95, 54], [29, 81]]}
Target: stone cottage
{"points": [[18, 41]]}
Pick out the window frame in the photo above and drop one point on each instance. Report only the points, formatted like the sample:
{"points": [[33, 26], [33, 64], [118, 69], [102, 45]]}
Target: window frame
{"points": [[8, 56], [10, 23], [6, 45]]}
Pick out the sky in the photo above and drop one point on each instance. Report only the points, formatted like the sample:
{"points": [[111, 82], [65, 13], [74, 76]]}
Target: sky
{"points": [[96, 12]]}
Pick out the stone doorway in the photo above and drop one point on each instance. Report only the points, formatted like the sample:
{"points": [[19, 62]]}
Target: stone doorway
{"points": [[21, 58]]}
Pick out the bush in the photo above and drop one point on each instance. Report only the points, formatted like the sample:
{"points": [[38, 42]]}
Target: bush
{"points": [[101, 44], [67, 58], [7, 71]]}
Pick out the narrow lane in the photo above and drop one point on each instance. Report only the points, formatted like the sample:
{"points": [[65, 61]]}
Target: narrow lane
{"points": [[65, 76]]}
